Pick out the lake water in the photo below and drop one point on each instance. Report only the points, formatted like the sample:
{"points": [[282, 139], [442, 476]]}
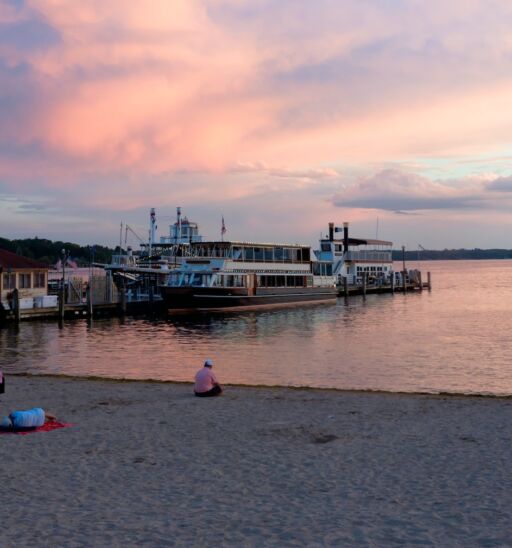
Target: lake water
{"points": [[456, 338]]}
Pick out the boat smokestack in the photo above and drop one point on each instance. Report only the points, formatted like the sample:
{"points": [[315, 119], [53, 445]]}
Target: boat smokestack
{"points": [[178, 224], [152, 228], [331, 232], [345, 238]]}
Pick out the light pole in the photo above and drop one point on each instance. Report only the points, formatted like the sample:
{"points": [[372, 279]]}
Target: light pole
{"points": [[64, 258]]}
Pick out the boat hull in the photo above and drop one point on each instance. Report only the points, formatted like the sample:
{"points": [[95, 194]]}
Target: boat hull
{"points": [[225, 298]]}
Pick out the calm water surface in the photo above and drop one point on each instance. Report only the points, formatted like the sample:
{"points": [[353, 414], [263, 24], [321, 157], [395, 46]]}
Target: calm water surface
{"points": [[454, 339]]}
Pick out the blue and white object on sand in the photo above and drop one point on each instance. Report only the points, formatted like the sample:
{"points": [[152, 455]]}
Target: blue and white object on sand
{"points": [[31, 418]]}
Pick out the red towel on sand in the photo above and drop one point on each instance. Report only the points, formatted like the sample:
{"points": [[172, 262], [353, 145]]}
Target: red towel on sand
{"points": [[47, 427]]}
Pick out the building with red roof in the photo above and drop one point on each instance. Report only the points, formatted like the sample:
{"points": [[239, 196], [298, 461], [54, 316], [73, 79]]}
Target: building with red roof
{"points": [[28, 276]]}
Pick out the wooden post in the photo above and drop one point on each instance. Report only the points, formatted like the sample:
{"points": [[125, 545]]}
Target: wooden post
{"points": [[404, 281], [16, 304], [61, 301], [420, 280], [122, 297], [392, 282], [89, 300], [365, 275], [345, 286], [429, 281]]}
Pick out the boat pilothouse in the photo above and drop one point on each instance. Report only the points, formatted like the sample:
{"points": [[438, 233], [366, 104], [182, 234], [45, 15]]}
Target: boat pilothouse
{"points": [[223, 274], [353, 258]]}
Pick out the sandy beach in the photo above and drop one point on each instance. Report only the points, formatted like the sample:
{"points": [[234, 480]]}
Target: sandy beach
{"points": [[148, 464]]}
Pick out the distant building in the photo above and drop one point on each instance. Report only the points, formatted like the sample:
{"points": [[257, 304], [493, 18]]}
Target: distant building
{"points": [[28, 276]]}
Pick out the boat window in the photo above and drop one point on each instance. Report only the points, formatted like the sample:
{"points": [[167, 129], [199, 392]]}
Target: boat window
{"points": [[278, 253], [197, 280], [296, 281], [280, 281], [325, 247], [237, 253], [286, 254], [338, 247], [258, 254], [269, 255], [249, 253]]}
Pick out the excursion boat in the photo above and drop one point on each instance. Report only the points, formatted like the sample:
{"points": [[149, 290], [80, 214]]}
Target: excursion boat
{"points": [[225, 274], [355, 258]]}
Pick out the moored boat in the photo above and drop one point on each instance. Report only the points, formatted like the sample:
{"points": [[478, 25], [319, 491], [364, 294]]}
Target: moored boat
{"points": [[230, 274]]}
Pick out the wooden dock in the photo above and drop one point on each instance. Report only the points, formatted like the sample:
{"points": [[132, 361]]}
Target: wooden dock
{"points": [[75, 311], [154, 304]]}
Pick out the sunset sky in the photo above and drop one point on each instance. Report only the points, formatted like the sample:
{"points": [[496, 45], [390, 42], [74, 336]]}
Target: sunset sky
{"points": [[280, 115]]}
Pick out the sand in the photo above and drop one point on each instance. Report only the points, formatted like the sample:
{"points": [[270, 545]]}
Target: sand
{"points": [[147, 464]]}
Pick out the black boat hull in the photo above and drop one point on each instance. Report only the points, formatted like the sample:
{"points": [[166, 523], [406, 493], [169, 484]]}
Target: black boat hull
{"points": [[224, 298]]}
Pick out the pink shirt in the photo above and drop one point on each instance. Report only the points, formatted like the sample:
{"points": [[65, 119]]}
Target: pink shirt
{"points": [[205, 380]]}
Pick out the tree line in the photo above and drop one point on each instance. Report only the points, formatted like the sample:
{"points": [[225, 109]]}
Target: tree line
{"points": [[48, 252], [452, 254]]}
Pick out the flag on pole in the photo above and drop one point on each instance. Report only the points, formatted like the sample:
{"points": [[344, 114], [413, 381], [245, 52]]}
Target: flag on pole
{"points": [[223, 228]]}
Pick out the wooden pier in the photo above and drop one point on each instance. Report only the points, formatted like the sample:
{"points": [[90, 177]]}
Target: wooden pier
{"points": [[410, 281], [117, 304]]}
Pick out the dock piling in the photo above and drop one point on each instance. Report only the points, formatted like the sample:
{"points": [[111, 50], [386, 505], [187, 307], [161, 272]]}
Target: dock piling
{"points": [[89, 300], [404, 281], [429, 281], [16, 304], [122, 298], [61, 301]]}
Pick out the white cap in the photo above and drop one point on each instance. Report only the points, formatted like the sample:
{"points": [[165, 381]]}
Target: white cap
{"points": [[208, 363]]}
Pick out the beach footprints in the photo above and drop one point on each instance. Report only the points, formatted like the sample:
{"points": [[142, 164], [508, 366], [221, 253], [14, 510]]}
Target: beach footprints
{"points": [[320, 437], [306, 434]]}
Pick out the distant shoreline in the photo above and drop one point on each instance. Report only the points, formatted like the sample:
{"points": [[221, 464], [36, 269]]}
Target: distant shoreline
{"points": [[49, 252], [454, 255]]}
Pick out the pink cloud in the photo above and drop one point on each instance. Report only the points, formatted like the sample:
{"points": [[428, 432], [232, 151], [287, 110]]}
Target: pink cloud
{"points": [[114, 103]]}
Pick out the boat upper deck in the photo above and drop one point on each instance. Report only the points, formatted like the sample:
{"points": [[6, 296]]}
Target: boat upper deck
{"points": [[251, 252]]}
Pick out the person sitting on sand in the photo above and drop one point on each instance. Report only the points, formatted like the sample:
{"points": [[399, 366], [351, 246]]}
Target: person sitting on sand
{"points": [[206, 382], [19, 421]]}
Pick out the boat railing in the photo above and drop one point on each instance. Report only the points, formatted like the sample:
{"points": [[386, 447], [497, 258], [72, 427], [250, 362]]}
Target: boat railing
{"points": [[369, 255]]}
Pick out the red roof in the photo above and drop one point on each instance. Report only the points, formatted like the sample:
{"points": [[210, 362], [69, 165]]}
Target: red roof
{"points": [[11, 260]]}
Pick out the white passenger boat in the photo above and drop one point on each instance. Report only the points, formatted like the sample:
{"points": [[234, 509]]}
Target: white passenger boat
{"points": [[221, 274]]}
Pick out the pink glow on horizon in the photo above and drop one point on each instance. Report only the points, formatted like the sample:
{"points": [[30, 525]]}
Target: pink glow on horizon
{"points": [[115, 106]]}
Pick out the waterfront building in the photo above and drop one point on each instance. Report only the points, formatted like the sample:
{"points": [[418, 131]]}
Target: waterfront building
{"points": [[29, 277]]}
